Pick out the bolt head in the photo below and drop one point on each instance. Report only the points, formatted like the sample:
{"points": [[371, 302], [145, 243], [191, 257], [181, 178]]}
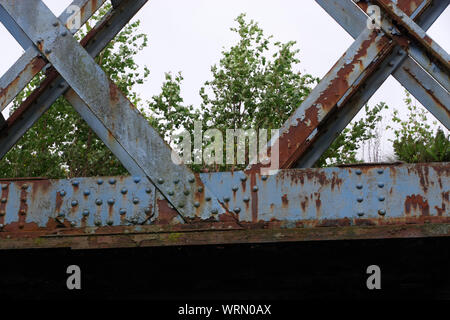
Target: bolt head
{"points": [[99, 202], [123, 211], [381, 198], [360, 199], [380, 171], [111, 201], [135, 200], [244, 178], [112, 181], [197, 204], [148, 190], [237, 210], [147, 210], [264, 178], [235, 188], [246, 199], [380, 185], [86, 192], [160, 180], [85, 212], [382, 212], [62, 193], [360, 214], [75, 183], [359, 186], [74, 203], [99, 181], [255, 188], [137, 179], [358, 172], [124, 191]]}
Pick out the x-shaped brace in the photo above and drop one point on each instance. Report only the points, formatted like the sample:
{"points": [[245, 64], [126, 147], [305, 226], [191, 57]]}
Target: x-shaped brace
{"points": [[398, 46], [109, 113]]}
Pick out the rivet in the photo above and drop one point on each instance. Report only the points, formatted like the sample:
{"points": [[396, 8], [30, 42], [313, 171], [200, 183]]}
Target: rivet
{"points": [[381, 198], [380, 184], [99, 202], [85, 212], [112, 181], [360, 214], [124, 191], [246, 199], [380, 171], [75, 183], [56, 23], [186, 192], [208, 198], [86, 192], [255, 188], [160, 180], [196, 204], [99, 181], [1, 226], [98, 223], [137, 179], [191, 180], [237, 210], [4, 186], [226, 199], [123, 211], [171, 193], [62, 193], [111, 201], [176, 181], [358, 172], [2, 213], [359, 186], [200, 189], [22, 212], [4, 200], [48, 51], [110, 222], [382, 212], [264, 178], [74, 203], [235, 188], [147, 210], [390, 64], [181, 205], [135, 200], [73, 223], [61, 215], [214, 211], [244, 178], [148, 190], [64, 33], [25, 186], [360, 199]]}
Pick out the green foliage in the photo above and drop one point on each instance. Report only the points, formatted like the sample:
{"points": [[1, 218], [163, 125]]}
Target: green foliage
{"points": [[344, 149], [61, 144], [415, 141]]}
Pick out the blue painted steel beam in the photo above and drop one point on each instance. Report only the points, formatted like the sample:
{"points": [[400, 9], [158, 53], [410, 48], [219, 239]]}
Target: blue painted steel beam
{"points": [[30, 63], [116, 19], [373, 194]]}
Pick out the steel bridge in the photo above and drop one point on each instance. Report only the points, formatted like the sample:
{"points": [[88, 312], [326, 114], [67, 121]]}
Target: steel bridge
{"points": [[165, 204]]}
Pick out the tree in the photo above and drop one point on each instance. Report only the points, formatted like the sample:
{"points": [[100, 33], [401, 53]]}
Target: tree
{"points": [[61, 144], [415, 140]]}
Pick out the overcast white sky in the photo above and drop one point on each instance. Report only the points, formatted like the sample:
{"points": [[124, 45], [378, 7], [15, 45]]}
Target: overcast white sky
{"points": [[188, 36]]}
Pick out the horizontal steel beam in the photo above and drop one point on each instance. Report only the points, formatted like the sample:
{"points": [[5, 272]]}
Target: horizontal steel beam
{"points": [[369, 201], [31, 62]]}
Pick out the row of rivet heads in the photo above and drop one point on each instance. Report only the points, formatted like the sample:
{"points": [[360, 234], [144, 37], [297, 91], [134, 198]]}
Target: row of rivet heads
{"points": [[381, 197], [110, 202], [87, 192]]}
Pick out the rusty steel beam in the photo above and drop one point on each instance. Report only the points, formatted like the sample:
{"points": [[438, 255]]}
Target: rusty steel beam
{"points": [[31, 62], [54, 86], [371, 194], [128, 237], [104, 101], [416, 33]]}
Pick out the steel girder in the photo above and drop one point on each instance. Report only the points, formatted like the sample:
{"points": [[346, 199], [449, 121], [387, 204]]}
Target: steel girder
{"points": [[164, 203], [375, 54]]}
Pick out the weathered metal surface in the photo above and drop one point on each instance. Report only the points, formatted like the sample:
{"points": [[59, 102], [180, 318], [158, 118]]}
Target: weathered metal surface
{"points": [[360, 196], [342, 81], [105, 101], [54, 86], [414, 32], [31, 62]]}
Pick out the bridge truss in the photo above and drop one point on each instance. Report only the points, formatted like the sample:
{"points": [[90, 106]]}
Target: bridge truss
{"points": [[163, 203]]}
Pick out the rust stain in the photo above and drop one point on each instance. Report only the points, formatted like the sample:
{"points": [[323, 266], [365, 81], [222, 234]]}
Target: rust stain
{"points": [[416, 203], [166, 214], [284, 201], [254, 197]]}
